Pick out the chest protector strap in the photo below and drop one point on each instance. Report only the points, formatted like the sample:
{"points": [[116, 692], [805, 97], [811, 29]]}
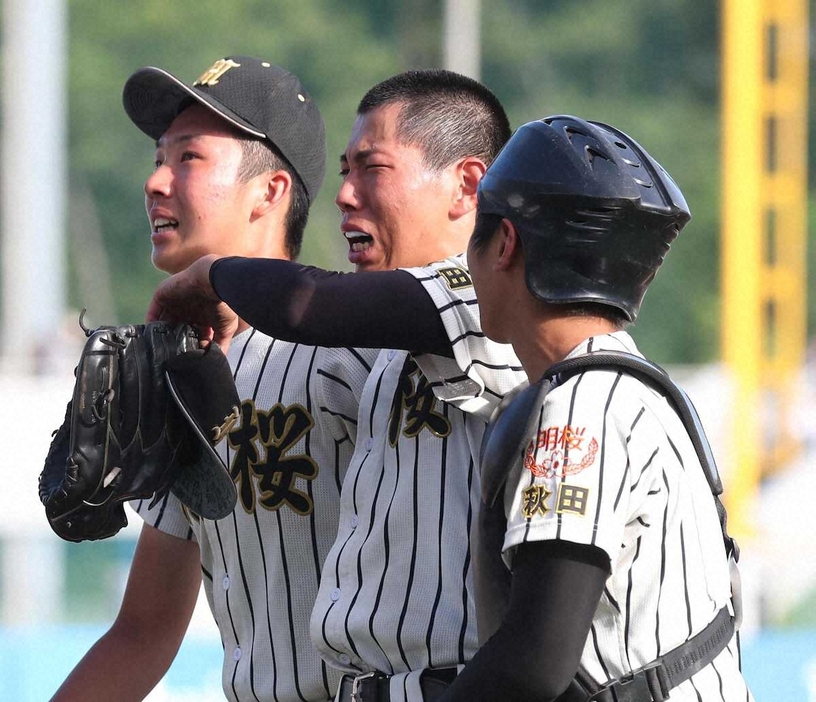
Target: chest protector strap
{"points": [[503, 448]]}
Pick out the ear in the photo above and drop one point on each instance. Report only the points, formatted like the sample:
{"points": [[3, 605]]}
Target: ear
{"points": [[272, 189], [508, 247], [468, 172]]}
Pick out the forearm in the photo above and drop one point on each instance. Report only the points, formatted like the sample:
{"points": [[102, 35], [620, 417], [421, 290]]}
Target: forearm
{"points": [[537, 650], [134, 654], [121, 665], [385, 309]]}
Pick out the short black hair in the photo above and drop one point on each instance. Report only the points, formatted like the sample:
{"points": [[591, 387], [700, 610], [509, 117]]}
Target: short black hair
{"points": [[615, 316], [259, 156], [447, 115]]}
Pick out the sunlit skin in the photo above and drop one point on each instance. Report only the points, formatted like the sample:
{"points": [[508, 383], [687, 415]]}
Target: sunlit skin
{"points": [[195, 201], [200, 210], [407, 214], [396, 211]]}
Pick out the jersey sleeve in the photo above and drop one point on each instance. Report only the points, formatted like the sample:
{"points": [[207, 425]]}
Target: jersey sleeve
{"points": [[341, 376], [167, 515], [576, 480], [481, 371]]}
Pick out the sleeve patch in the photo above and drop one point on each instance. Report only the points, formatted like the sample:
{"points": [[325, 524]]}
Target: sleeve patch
{"points": [[562, 451], [571, 500], [456, 278], [535, 501]]}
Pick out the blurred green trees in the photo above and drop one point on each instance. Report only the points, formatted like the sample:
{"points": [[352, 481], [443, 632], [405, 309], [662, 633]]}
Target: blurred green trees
{"points": [[650, 67]]}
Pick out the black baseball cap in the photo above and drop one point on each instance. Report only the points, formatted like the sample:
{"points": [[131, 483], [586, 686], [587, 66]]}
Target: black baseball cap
{"points": [[255, 96]]}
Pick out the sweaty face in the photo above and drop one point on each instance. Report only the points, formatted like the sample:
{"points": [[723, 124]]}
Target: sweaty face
{"points": [[194, 199], [395, 209]]}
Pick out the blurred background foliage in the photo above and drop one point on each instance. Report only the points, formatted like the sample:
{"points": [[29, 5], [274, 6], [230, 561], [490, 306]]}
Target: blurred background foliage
{"points": [[650, 67]]}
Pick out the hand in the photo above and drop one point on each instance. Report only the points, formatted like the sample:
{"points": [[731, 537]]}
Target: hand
{"points": [[188, 297]]}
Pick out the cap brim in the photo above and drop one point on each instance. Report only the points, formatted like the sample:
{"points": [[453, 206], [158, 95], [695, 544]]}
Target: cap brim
{"points": [[153, 98]]}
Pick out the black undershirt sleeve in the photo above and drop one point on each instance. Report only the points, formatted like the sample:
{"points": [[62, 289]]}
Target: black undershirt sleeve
{"points": [[556, 587], [289, 301]]}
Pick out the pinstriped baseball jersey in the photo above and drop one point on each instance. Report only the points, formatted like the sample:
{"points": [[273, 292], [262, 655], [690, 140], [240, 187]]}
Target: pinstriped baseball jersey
{"points": [[611, 465], [288, 455], [396, 592]]}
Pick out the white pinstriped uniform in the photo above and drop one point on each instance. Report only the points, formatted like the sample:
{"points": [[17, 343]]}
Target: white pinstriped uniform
{"points": [[614, 467], [261, 565], [396, 592]]}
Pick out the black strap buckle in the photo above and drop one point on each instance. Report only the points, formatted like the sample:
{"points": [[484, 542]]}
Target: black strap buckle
{"points": [[649, 684], [357, 682]]}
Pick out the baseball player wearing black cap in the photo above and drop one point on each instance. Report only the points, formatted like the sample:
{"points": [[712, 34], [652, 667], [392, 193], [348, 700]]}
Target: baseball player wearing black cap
{"points": [[259, 99], [602, 570], [240, 155], [395, 606]]}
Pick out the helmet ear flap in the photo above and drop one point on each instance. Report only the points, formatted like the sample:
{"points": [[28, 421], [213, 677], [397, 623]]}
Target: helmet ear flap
{"points": [[596, 214]]}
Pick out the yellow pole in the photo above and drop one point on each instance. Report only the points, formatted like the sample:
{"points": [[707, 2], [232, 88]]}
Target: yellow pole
{"points": [[741, 250], [764, 231], [785, 190]]}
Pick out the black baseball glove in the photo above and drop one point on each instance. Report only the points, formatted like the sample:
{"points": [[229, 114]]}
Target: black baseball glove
{"points": [[148, 408]]}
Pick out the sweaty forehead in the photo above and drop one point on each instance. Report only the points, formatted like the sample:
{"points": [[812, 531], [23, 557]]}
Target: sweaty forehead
{"points": [[374, 131], [377, 127]]}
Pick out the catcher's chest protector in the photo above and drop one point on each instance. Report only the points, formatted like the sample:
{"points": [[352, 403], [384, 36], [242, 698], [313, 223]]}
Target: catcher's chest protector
{"points": [[503, 447]]}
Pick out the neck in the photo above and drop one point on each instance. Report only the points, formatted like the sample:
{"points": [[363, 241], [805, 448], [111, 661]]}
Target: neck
{"points": [[553, 338], [461, 229], [267, 243]]}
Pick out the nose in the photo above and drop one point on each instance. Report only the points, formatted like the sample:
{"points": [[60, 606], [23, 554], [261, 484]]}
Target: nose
{"points": [[158, 183], [347, 197]]}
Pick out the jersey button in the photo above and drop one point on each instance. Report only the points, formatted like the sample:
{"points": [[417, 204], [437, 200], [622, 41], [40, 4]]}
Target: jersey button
{"points": [[236, 654], [344, 659], [354, 521], [335, 594], [392, 355], [369, 444], [226, 582]]}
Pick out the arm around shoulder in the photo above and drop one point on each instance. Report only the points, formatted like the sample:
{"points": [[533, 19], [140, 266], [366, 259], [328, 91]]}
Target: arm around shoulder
{"points": [[133, 655], [307, 305]]}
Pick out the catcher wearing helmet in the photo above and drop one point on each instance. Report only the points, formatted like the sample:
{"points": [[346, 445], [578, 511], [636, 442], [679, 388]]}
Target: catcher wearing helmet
{"points": [[602, 567]]}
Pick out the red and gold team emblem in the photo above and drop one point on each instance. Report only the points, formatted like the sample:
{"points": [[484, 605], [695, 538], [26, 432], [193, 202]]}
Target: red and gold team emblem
{"points": [[563, 450]]}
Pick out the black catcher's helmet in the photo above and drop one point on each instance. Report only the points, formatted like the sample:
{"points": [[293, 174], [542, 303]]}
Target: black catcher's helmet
{"points": [[596, 214]]}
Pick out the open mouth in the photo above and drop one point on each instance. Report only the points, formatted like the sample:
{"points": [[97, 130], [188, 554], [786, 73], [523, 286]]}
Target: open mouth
{"points": [[162, 224], [358, 241]]}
